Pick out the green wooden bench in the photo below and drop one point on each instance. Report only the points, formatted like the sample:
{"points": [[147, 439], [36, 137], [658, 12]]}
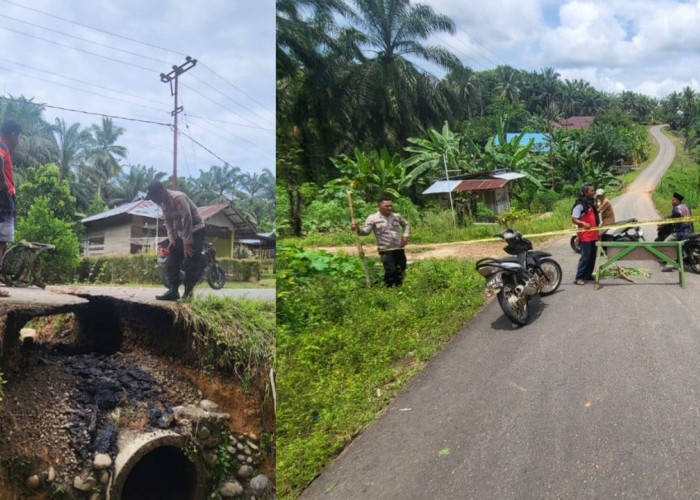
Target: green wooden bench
{"points": [[670, 252]]}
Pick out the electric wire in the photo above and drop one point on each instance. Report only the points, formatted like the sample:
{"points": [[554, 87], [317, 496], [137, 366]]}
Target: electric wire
{"points": [[93, 28]]}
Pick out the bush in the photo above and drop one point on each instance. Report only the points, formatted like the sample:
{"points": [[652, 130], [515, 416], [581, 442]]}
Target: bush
{"points": [[544, 201], [142, 268]]}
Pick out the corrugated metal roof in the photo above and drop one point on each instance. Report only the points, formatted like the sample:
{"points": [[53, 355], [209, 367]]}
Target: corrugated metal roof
{"points": [[509, 176], [143, 208], [442, 187], [146, 208], [480, 184]]}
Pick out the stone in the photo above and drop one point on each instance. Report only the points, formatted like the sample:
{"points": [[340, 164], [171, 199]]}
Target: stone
{"points": [[95, 496], [33, 482], [210, 458], [208, 405], [203, 434], [244, 472], [260, 484], [231, 449], [252, 445], [240, 457], [240, 446], [249, 460], [84, 484], [50, 475], [102, 461], [104, 477], [230, 489]]}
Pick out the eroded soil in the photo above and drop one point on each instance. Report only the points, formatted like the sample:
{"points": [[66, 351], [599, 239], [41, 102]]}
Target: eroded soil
{"points": [[59, 408]]}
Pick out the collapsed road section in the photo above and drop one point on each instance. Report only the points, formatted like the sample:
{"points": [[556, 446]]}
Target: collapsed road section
{"points": [[103, 408]]}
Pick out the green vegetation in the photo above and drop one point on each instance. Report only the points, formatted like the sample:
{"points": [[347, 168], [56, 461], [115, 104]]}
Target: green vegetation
{"points": [[683, 177], [344, 349], [235, 338]]}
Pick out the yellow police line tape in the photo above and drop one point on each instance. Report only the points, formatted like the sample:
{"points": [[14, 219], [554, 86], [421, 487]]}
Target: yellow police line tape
{"points": [[561, 232]]}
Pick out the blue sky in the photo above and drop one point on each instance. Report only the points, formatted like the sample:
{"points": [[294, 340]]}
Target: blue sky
{"points": [[647, 46], [106, 58]]}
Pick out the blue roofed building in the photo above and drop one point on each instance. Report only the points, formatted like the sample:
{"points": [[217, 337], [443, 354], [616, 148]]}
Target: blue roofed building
{"points": [[540, 142]]}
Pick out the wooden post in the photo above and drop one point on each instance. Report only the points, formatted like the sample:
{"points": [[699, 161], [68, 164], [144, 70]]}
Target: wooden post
{"points": [[360, 251]]}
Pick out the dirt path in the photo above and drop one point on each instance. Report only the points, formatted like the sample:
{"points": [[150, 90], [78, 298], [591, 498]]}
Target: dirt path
{"points": [[459, 250]]}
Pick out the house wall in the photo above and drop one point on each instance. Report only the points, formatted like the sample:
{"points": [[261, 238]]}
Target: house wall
{"points": [[497, 200], [117, 239]]}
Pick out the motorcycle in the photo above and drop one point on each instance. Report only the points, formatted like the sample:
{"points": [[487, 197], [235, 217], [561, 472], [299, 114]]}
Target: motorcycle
{"points": [[213, 272], [517, 279], [627, 233], [691, 247]]}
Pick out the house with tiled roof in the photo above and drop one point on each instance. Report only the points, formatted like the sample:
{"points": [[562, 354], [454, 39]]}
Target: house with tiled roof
{"points": [[138, 226]]}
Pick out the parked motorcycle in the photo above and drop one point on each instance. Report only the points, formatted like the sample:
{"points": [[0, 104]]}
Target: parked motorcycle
{"points": [[213, 272], [691, 247], [627, 233], [518, 279]]}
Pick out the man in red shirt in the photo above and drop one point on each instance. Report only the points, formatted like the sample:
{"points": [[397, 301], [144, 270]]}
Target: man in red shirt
{"points": [[9, 138], [585, 216]]}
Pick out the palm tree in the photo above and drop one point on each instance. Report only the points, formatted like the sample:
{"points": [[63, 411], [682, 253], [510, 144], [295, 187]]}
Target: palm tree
{"points": [[36, 142], [508, 86], [387, 96], [104, 151], [69, 144], [126, 186]]}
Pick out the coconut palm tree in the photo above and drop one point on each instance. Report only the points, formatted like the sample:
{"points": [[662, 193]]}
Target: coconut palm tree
{"points": [[69, 144], [104, 152], [36, 142]]}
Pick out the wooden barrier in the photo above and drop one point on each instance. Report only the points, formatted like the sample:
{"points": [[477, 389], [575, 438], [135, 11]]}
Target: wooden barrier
{"points": [[670, 252]]}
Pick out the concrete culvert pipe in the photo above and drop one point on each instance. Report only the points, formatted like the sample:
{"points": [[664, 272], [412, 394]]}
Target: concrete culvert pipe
{"points": [[154, 465]]}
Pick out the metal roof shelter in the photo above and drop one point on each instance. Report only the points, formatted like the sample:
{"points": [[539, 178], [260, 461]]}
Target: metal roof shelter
{"points": [[495, 180]]}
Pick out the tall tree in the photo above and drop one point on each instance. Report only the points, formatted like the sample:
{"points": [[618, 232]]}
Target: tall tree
{"points": [[69, 144], [104, 152], [388, 90]]}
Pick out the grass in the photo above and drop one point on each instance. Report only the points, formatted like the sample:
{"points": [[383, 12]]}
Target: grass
{"points": [[344, 350], [683, 176], [232, 337]]}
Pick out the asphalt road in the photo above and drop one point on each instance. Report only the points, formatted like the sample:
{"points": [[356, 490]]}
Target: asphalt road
{"points": [[598, 397]]}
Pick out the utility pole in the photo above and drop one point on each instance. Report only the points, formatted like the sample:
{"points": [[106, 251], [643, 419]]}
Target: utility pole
{"points": [[177, 71]]}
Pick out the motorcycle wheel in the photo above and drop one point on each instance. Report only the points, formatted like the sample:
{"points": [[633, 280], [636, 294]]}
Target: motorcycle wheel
{"points": [[552, 271], [514, 306], [575, 244], [692, 256], [216, 277]]}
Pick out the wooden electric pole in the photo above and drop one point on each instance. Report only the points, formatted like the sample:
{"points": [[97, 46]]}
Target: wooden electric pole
{"points": [[177, 71]]}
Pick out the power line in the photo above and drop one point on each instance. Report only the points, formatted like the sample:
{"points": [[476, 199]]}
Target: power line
{"points": [[115, 48], [82, 90], [231, 123], [83, 39], [217, 103], [52, 42], [88, 112], [92, 27], [232, 85], [228, 97]]}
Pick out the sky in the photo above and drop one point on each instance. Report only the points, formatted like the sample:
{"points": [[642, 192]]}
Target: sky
{"points": [[650, 47], [106, 58]]}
